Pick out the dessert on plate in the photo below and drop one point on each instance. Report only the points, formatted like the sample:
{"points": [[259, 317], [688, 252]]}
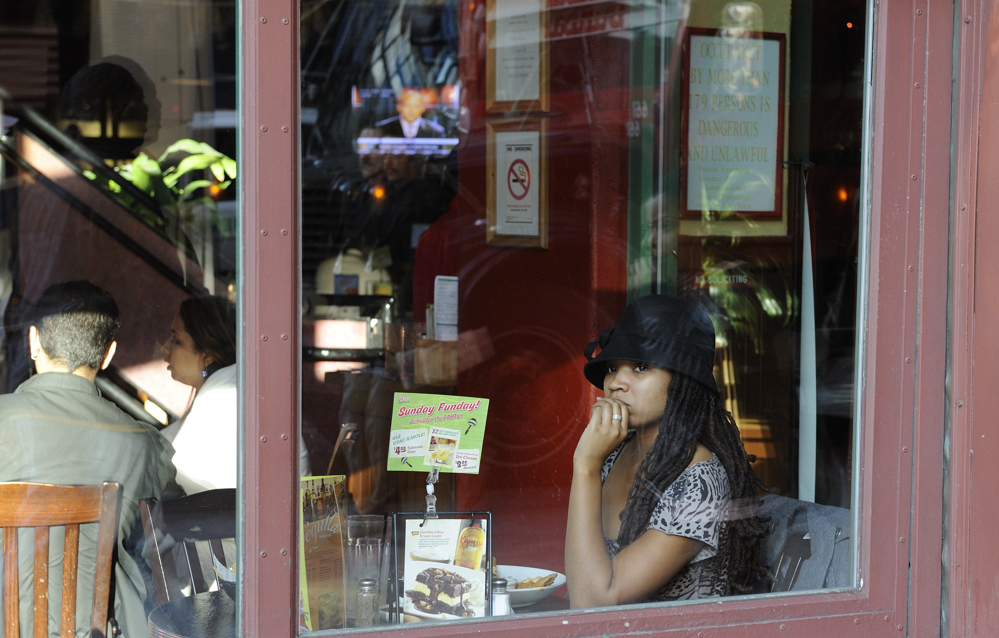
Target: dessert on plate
{"points": [[438, 591]]}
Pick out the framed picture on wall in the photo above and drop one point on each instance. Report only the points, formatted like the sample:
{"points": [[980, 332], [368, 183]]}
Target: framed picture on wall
{"points": [[516, 56], [517, 183], [732, 132]]}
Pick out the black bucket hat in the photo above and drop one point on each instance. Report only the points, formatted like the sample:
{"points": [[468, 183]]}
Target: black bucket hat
{"points": [[665, 331]]}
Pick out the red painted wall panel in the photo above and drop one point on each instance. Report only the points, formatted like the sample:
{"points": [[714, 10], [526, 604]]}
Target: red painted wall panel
{"points": [[981, 308], [533, 311], [271, 318]]}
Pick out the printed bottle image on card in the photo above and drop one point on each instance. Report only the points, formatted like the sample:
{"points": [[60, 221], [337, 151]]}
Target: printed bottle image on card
{"points": [[436, 431]]}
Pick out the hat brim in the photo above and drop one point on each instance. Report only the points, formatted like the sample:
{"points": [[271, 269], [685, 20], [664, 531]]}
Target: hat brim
{"points": [[672, 357], [596, 368]]}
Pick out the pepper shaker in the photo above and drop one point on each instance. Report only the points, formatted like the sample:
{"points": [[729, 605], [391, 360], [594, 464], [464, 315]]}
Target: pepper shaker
{"points": [[366, 609]]}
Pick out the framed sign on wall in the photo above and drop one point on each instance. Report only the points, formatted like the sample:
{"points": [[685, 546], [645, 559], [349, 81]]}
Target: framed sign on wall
{"points": [[732, 134], [517, 183], [517, 56]]}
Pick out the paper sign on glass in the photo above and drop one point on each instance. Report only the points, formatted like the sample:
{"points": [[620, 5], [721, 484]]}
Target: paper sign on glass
{"points": [[436, 431]]}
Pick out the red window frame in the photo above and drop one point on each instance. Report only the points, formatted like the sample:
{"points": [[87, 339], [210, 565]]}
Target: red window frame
{"points": [[901, 480], [974, 307]]}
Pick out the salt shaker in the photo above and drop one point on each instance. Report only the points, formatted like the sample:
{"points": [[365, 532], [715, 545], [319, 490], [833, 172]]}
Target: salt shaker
{"points": [[366, 609], [501, 598]]}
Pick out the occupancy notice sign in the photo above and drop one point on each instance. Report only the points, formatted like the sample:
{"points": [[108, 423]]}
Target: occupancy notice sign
{"points": [[733, 133], [436, 431]]}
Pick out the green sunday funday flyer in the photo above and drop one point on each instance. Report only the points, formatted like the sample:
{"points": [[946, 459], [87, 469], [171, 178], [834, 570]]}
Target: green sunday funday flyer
{"points": [[436, 431]]}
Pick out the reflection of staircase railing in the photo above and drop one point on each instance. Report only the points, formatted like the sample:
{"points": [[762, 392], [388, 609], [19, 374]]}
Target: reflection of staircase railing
{"points": [[123, 393], [57, 192], [140, 203], [131, 217]]}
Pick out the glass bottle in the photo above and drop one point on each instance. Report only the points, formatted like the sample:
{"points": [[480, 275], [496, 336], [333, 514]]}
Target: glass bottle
{"points": [[329, 501], [366, 607], [320, 506], [501, 598], [471, 543]]}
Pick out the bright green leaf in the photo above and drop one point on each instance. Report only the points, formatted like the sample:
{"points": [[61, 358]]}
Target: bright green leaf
{"points": [[194, 188], [218, 171], [230, 167], [194, 163], [189, 146], [146, 164]]}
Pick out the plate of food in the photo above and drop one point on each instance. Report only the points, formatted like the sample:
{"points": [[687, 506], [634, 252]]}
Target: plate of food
{"points": [[528, 585]]}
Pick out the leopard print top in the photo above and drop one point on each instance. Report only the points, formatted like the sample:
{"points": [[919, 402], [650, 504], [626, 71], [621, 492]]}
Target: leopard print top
{"points": [[694, 506]]}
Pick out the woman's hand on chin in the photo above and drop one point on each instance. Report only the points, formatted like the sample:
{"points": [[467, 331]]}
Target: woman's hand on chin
{"points": [[602, 435]]}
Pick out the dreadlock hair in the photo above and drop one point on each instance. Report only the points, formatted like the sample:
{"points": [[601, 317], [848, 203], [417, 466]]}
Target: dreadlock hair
{"points": [[695, 414]]}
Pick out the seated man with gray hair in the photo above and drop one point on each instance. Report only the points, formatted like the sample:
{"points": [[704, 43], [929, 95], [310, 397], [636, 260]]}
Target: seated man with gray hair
{"points": [[56, 428]]}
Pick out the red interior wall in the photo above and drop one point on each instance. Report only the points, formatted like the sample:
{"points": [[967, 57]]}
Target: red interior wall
{"points": [[527, 314]]}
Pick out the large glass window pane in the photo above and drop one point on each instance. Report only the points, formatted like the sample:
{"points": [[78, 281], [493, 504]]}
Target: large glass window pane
{"points": [[116, 167], [526, 170]]}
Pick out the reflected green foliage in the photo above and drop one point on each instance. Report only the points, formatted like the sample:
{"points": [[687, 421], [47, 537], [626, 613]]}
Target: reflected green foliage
{"points": [[176, 179], [736, 287], [180, 183], [735, 284]]}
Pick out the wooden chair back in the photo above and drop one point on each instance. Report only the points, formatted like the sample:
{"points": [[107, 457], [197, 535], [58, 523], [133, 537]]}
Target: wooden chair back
{"points": [[41, 506], [175, 528]]}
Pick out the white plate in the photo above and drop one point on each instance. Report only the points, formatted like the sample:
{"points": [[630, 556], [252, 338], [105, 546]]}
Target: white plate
{"points": [[524, 597], [413, 611]]}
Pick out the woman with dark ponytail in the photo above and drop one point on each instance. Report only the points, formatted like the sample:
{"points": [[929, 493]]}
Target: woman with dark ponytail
{"points": [[663, 500], [201, 353]]}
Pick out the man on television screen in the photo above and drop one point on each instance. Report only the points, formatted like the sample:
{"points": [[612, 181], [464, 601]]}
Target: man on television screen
{"points": [[410, 122]]}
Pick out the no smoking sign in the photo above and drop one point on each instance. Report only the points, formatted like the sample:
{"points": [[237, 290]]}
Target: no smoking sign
{"points": [[518, 179]]}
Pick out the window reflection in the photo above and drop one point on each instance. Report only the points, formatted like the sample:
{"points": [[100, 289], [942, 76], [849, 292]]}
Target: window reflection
{"points": [[117, 167], [387, 207]]}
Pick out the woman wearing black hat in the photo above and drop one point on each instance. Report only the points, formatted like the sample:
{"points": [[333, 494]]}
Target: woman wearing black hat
{"points": [[663, 498]]}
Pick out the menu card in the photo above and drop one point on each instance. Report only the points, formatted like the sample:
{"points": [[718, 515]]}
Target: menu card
{"points": [[436, 431], [321, 555], [445, 568]]}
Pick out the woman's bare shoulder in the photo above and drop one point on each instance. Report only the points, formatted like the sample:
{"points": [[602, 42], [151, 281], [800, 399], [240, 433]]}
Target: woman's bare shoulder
{"points": [[701, 454]]}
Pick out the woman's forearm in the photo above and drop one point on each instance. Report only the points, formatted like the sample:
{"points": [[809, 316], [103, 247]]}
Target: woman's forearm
{"points": [[588, 566]]}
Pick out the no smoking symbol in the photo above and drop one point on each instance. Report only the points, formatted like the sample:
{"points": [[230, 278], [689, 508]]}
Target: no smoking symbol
{"points": [[518, 179]]}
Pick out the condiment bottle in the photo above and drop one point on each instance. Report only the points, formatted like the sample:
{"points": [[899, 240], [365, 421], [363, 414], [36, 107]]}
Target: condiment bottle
{"points": [[501, 598], [471, 542], [366, 609]]}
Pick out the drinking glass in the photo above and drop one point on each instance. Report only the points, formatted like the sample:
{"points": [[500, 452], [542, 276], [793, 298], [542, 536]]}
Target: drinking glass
{"points": [[365, 538]]}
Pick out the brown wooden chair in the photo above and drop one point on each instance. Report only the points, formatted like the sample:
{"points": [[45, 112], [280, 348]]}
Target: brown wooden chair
{"points": [[41, 506], [174, 530]]}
